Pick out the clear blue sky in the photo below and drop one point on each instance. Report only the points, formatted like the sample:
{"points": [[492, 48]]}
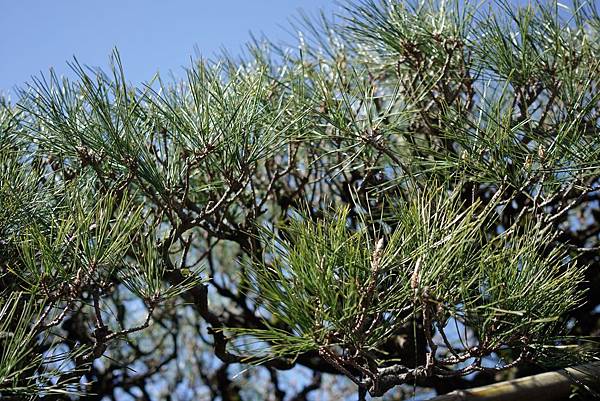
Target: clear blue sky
{"points": [[151, 35]]}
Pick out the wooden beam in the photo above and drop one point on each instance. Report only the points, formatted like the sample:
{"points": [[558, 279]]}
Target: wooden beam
{"points": [[549, 386]]}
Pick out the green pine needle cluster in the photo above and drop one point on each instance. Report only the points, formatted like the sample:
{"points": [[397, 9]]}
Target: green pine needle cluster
{"points": [[328, 285]]}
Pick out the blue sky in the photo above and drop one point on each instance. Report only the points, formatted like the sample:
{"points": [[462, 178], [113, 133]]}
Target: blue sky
{"points": [[151, 35]]}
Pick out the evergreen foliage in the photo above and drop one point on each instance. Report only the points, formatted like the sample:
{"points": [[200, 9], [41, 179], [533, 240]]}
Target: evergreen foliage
{"points": [[407, 198]]}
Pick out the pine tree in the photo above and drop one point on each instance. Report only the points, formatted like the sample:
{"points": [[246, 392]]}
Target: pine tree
{"points": [[405, 200]]}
